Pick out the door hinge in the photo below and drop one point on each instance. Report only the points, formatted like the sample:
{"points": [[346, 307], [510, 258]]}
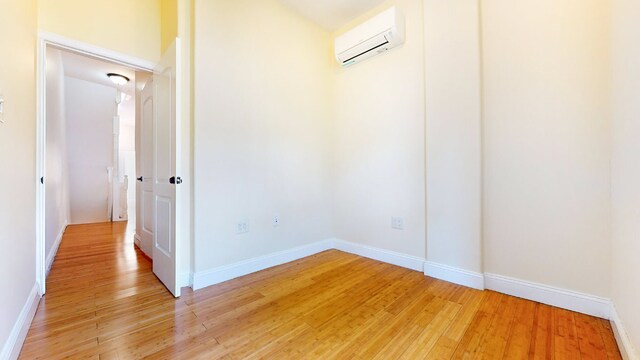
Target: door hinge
{"points": [[175, 180], [42, 180]]}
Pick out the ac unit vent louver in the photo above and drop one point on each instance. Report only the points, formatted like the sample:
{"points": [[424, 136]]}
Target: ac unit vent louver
{"points": [[375, 36]]}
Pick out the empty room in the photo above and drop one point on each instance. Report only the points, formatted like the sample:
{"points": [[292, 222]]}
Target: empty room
{"points": [[340, 179]]}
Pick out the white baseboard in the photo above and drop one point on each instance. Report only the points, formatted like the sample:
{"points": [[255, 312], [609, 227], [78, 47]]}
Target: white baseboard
{"points": [[454, 275], [220, 274], [387, 256], [18, 334], [625, 345], [138, 241], [54, 249], [206, 278], [566, 299]]}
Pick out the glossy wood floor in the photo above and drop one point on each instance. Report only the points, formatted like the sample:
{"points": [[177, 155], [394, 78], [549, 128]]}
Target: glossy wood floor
{"points": [[103, 302]]}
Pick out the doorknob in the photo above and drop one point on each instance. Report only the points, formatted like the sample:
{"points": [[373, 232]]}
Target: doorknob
{"points": [[140, 178], [175, 180]]}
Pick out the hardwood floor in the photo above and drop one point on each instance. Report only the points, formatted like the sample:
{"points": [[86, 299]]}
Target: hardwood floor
{"points": [[103, 302]]}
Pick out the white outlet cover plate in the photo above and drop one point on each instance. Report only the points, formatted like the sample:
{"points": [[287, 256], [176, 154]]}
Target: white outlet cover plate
{"points": [[242, 227], [397, 223]]}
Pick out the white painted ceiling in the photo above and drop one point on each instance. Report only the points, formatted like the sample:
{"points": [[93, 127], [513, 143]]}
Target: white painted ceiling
{"points": [[95, 70], [332, 14]]}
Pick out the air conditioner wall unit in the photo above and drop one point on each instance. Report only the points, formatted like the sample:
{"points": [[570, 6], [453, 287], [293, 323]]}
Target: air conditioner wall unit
{"points": [[375, 36]]}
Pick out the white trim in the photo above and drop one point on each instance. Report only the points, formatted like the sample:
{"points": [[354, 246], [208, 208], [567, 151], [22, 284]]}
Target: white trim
{"points": [[137, 240], [566, 299], [95, 51], [54, 248], [18, 334], [149, 254], [454, 275], [550, 295], [220, 274], [387, 256], [627, 350], [180, 191], [41, 75]]}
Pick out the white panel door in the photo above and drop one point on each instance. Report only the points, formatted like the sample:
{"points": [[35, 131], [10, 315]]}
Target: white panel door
{"points": [[165, 146], [144, 164]]}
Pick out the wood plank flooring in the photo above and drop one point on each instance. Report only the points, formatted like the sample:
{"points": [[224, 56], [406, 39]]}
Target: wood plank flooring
{"points": [[103, 302]]}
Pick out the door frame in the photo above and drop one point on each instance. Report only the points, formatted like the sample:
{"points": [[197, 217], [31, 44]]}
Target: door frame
{"points": [[49, 39]]}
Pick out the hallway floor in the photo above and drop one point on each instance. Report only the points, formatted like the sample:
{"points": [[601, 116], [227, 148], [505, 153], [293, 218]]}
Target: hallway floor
{"points": [[103, 302]]}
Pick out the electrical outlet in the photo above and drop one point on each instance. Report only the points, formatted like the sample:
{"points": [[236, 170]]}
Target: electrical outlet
{"points": [[275, 221], [397, 223], [242, 226]]}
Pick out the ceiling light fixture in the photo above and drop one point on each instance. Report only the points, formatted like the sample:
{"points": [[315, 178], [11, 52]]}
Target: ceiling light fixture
{"points": [[118, 79]]}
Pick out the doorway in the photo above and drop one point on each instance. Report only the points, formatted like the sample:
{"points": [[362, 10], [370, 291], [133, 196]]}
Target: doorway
{"points": [[88, 147], [90, 143]]}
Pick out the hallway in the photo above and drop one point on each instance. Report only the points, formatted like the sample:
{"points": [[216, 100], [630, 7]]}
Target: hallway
{"points": [[100, 290]]}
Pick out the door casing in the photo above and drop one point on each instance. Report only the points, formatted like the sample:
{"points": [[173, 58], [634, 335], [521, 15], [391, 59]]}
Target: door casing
{"points": [[50, 39]]}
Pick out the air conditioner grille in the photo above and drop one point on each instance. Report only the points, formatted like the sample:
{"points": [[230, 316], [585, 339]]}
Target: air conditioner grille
{"points": [[368, 51]]}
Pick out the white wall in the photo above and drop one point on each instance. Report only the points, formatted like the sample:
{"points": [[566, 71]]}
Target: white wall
{"points": [[127, 113], [547, 142], [379, 146], [127, 137], [56, 176], [453, 140], [128, 164], [262, 141], [262, 128], [625, 165], [17, 157], [90, 110], [127, 153]]}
